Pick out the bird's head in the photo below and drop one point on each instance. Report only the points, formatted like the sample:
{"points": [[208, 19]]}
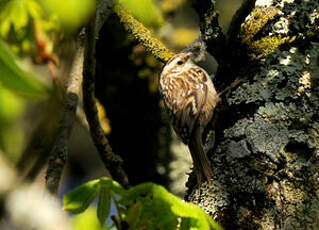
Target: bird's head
{"points": [[178, 63]]}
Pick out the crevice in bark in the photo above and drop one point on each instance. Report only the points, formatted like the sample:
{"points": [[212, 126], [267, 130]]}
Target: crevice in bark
{"points": [[231, 114], [300, 149]]}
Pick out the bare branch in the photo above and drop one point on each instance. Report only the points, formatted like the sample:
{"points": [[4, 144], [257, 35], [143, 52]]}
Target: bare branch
{"points": [[59, 151], [111, 161]]}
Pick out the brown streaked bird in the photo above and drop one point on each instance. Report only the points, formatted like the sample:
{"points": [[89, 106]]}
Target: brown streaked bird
{"points": [[190, 99]]}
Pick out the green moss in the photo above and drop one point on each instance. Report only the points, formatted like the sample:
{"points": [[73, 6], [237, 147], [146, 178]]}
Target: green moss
{"points": [[143, 35], [259, 17], [266, 45], [258, 20]]}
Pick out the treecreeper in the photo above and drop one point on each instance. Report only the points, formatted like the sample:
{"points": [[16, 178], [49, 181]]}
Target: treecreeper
{"points": [[190, 99]]}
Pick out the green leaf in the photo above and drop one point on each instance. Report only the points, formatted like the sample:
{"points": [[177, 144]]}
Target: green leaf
{"points": [[153, 213], [11, 131], [87, 221], [162, 209], [11, 107], [146, 11], [134, 214], [136, 193], [104, 204], [16, 79], [4, 28], [112, 185], [185, 224], [14, 13], [34, 9], [148, 206], [80, 198], [19, 14], [71, 13], [199, 219]]}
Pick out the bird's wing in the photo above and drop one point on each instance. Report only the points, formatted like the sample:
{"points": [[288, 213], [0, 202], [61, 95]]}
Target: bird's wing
{"points": [[185, 99]]}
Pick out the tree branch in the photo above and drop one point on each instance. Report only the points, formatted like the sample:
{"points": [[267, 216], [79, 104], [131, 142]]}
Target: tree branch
{"points": [[59, 151], [103, 11], [111, 161], [211, 32], [244, 10], [143, 35]]}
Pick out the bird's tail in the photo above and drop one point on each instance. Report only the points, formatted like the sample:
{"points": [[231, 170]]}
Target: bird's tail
{"points": [[200, 159]]}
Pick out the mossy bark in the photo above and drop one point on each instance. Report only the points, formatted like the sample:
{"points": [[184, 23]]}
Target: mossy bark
{"points": [[266, 156]]}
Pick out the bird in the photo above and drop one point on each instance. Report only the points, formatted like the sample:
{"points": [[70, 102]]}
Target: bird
{"points": [[189, 98]]}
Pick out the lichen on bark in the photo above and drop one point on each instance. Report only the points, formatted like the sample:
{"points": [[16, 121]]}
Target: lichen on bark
{"points": [[266, 157]]}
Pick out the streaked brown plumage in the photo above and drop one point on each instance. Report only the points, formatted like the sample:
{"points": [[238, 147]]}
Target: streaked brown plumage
{"points": [[190, 98]]}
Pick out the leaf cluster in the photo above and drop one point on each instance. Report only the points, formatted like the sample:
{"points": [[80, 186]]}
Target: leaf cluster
{"points": [[25, 25], [145, 206], [15, 81], [15, 78]]}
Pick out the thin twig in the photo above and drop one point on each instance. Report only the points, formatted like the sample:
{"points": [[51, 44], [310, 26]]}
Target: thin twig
{"points": [[59, 151], [111, 161]]}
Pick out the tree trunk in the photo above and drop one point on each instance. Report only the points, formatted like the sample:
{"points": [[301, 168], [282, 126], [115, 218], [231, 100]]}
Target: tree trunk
{"points": [[266, 156]]}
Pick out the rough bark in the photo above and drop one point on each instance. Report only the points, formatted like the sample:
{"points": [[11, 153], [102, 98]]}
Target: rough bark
{"points": [[266, 156]]}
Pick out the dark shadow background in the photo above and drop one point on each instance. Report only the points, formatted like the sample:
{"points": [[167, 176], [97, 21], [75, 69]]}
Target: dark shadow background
{"points": [[132, 108]]}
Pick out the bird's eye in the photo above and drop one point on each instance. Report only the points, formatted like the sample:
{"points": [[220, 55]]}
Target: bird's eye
{"points": [[180, 63]]}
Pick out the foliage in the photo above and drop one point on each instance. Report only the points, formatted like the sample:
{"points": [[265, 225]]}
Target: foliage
{"points": [[11, 108], [26, 27], [18, 13], [146, 11], [145, 206], [71, 13], [87, 221], [16, 79], [30, 29], [34, 27], [171, 5], [14, 82]]}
